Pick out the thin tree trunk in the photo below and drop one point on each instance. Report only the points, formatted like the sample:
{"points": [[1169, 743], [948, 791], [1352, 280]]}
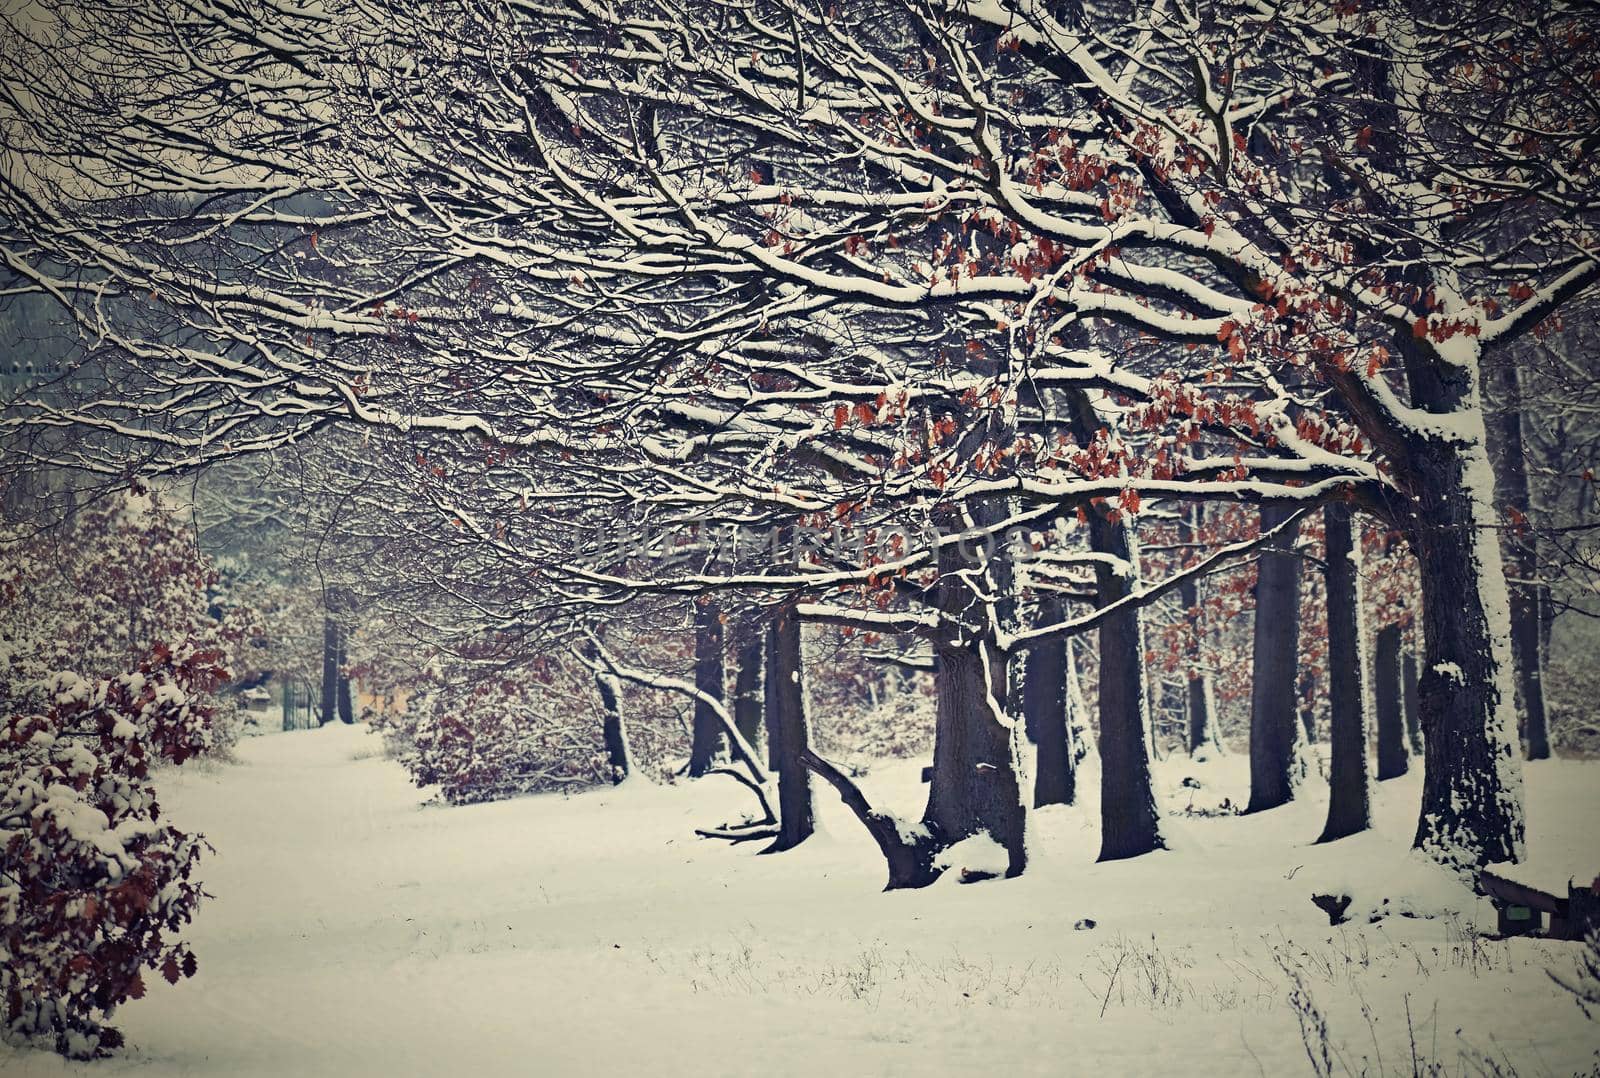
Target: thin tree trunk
{"points": [[346, 705], [619, 755], [1393, 759], [1522, 560], [1408, 689], [1274, 699], [1200, 701], [330, 669], [1307, 688], [1047, 711], [747, 690], [787, 729], [708, 742], [1129, 822], [1349, 803]]}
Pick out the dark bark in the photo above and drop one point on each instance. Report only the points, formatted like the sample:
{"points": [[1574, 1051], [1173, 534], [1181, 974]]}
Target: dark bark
{"points": [[787, 730], [345, 704], [747, 689], [707, 742], [974, 787], [330, 669], [1307, 687], [618, 758], [1274, 699], [1047, 707], [1129, 822], [1201, 730], [1393, 758], [1471, 809], [1521, 552], [1408, 696], [1349, 804], [909, 856]]}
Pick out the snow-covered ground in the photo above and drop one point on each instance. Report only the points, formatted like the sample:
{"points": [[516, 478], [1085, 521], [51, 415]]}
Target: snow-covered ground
{"points": [[355, 931]]}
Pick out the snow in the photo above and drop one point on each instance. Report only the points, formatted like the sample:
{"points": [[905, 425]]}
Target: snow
{"points": [[979, 854], [1552, 876], [356, 931]]}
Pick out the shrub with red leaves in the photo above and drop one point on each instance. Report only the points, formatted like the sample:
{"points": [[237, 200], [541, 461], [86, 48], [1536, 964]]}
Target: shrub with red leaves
{"points": [[93, 886]]}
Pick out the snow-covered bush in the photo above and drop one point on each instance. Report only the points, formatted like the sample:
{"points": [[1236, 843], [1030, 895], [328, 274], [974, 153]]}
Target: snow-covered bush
{"points": [[97, 593], [485, 738], [93, 886], [484, 731]]}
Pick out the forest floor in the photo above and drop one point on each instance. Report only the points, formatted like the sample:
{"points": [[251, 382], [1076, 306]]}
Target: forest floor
{"points": [[356, 931]]}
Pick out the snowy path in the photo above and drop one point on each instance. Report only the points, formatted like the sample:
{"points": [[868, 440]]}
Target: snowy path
{"points": [[354, 932]]}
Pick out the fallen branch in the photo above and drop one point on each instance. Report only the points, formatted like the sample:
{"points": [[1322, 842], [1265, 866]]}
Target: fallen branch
{"points": [[910, 859]]}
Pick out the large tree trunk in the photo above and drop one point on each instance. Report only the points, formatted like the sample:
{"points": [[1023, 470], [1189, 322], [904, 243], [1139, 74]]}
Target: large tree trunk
{"points": [[1522, 560], [974, 788], [1349, 803], [330, 669], [1393, 759], [707, 743], [1200, 701], [1274, 701], [787, 730], [1047, 705], [1472, 781]]}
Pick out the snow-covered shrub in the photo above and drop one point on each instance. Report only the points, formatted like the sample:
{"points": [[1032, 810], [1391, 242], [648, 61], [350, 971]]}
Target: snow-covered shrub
{"points": [[487, 738], [98, 593], [861, 709], [93, 886], [1572, 685], [482, 732]]}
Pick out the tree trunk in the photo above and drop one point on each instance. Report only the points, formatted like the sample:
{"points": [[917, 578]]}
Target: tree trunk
{"points": [[330, 669], [1393, 759], [619, 756], [1522, 560], [1046, 703], [1129, 822], [1472, 781], [787, 729], [1408, 690], [975, 785], [346, 705], [747, 690], [1202, 724], [1307, 688], [1200, 702], [288, 702], [1274, 699], [708, 743], [1349, 803]]}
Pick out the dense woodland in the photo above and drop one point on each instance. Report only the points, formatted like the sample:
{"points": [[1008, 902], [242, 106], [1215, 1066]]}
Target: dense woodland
{"points": [[665, 390]]}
